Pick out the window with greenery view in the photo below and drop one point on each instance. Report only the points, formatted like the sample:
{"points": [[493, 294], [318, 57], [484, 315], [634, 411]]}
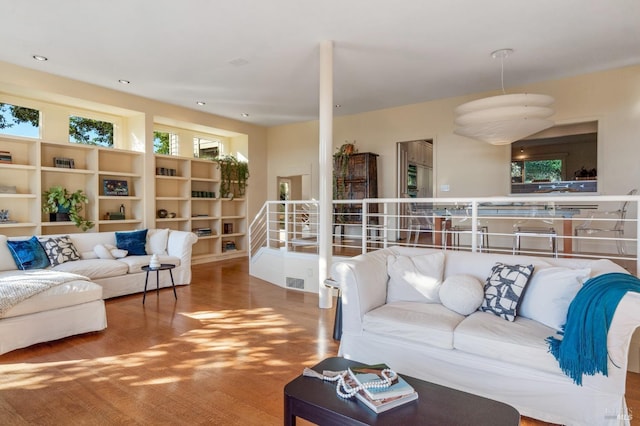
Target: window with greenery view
{"points": [[528, 171], [90, 132], [165, 143], [19, 121]]}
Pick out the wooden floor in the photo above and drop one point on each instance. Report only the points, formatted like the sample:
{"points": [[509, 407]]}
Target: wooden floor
{"points": [[220, 354]]}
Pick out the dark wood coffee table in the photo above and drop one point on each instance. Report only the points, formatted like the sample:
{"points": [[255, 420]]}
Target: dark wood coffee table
{"points": [[316, 400]]}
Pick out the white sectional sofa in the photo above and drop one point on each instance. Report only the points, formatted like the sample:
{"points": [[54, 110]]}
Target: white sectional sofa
{"points": [[77, 306], [386, 319]]}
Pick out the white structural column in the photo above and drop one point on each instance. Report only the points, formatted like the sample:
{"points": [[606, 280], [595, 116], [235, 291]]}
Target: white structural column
{"points": [[325, 170]]}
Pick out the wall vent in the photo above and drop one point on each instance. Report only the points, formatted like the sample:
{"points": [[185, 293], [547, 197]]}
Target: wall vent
{"points": [[295, 283]]}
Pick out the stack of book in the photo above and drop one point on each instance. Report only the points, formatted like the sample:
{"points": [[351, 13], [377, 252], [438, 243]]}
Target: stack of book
{"points": [[202, 232], [5, 157], [380, 399]]}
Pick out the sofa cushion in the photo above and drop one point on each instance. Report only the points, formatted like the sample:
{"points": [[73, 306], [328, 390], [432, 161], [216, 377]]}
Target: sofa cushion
{"points": [[6, 259], [135, 263], [549, 294], [462, 293], [59, 249], [425, 323], [503, 289], [134, 242], [415, 278], [28, 254], [94, 268], [59, 296], [157, 241], [477, 264], [519, 342]]}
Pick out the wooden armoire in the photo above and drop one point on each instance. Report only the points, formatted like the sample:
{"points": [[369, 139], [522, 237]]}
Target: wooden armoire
{"points": [[355, 177]]}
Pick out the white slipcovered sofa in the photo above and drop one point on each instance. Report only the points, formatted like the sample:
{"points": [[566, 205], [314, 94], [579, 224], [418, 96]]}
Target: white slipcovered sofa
{"points": [[388, 319], [76, 305]]}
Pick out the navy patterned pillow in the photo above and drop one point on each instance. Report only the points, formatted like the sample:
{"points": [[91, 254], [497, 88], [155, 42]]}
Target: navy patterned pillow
{"points": [[134, 242], [59, 249], [503, 289], [28, 254]]}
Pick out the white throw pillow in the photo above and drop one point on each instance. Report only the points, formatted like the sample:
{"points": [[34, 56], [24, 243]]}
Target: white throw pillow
{"points": [[416, 278], [462, 293], [119, 253], [549, 294], [109, 251], [157, 241], [102, 252]]}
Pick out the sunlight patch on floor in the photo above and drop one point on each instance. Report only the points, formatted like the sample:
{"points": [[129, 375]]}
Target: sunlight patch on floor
{"points": [[243, 340]]}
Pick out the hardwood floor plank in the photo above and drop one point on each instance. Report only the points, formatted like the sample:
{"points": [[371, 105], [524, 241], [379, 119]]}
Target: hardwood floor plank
{"points": [[220, 354]]}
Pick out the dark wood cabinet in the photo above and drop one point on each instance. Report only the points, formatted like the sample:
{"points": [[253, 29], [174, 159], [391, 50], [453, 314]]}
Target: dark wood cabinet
{"points": [[355, 177]]}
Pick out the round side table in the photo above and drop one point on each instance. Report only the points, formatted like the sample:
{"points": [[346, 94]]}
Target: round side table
{"points": [[162, 267]]}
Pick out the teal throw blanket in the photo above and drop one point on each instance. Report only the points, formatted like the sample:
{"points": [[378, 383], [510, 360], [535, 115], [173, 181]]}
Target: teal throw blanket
{"points": [[583, 348]]}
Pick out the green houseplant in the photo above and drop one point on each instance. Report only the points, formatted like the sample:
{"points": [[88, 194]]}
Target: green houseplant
{"points": [[64, 205], [232, 171], [242, 174], [227, 166], [340, 172]]}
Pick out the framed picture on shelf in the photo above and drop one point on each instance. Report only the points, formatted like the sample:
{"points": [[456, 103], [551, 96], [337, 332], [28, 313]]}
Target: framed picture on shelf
{"points": [[115, 187]]}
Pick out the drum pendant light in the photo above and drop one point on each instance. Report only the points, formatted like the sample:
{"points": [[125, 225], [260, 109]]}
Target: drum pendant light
{"points": [[504, 119]]}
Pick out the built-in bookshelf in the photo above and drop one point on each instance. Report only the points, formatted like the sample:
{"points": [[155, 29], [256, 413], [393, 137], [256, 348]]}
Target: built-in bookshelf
{"points": [[186, 189], [122, 170], [19, 186], [38, 165], [188, 192]]}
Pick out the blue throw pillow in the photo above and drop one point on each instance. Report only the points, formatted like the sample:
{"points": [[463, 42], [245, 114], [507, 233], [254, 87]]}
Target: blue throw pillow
{"points": [[134, 242], [28, 254]]}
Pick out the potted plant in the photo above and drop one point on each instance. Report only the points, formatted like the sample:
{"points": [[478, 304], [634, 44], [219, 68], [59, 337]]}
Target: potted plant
{"points": [[340, 171], [63, 205], [242, 174], [227, 166]]}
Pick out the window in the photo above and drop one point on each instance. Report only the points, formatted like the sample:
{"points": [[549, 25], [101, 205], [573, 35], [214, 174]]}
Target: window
{"points": [[562, 158], [529, 171], [19, 121], [206, 148], [165, 143], [90, 132]]}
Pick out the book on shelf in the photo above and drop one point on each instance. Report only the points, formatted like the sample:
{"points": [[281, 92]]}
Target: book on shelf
{"points": [[5, 157], [381, 405], [369, 373], [202, 232]]}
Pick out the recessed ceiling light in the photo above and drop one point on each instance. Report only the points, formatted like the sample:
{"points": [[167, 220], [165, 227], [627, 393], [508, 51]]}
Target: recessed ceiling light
{"points": [[244, 114], [238, 62], [40, 58], [201, 103], [124, 81]]}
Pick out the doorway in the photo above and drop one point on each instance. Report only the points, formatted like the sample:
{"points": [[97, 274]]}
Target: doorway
{"points": [[415, 169], [414, 177]]}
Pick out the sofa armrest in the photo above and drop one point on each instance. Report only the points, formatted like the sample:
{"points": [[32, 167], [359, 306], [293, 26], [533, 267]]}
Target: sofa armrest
{"points": [[625, 321], [180, 244], [363, 282]]}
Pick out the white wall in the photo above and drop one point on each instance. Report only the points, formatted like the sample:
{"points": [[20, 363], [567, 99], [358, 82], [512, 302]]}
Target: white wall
{"points": [[469, 167]]}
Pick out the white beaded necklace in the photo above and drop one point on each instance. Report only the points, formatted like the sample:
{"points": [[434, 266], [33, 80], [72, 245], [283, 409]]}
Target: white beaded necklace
{"points": [[344, 389]]}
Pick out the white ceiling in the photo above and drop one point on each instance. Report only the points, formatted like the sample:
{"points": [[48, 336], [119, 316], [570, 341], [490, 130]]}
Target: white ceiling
{"points": [[261, 56]]}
